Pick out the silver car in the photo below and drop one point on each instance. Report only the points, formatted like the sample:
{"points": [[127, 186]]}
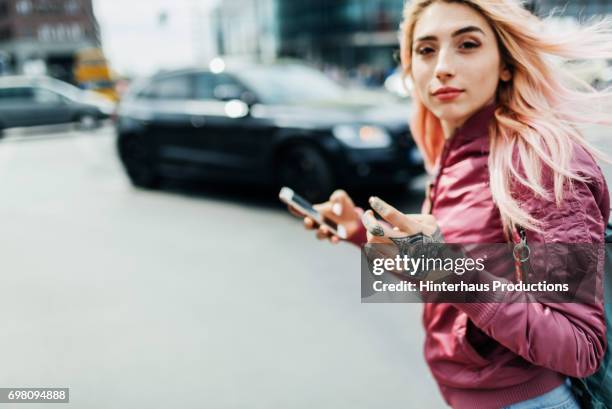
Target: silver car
{"points": [[32, 101]]}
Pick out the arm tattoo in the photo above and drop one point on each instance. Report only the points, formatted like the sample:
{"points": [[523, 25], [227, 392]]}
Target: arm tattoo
{"points": [[416, 244], [437, 236]]}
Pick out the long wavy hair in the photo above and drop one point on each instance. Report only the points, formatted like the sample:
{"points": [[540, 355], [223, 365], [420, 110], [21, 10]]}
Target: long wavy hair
{"points": [[539, 110]]}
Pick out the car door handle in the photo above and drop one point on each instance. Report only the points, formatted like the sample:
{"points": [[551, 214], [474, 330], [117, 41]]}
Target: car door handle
{"points": [[197, 121]]}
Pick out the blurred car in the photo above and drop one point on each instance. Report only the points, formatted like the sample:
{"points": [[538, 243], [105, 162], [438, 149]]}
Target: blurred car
{"points": [[32, 101], [398, 84], [283, 124]]}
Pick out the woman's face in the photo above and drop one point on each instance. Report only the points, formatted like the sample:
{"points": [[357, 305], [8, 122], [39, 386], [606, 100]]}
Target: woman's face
{"points": [[456, 64]]}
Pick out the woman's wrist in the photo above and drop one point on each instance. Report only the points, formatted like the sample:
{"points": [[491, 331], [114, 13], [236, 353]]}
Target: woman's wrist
{"points": [[359, 237]]}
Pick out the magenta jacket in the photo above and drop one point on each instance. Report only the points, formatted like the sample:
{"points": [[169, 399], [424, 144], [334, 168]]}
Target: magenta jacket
{"points": [[490, 355]]}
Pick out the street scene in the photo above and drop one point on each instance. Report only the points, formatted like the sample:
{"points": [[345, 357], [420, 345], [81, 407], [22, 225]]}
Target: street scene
{"points": [[215, 294], [147, 260]]}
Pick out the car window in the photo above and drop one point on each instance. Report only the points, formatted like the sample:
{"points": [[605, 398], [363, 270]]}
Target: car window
{"points": [[217, 86], [176, 87], [205, 85], [45, 96], [290, 83], [16, 94]]}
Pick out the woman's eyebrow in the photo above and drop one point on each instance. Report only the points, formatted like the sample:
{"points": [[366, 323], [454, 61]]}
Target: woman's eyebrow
{"points": [[468, 29]]}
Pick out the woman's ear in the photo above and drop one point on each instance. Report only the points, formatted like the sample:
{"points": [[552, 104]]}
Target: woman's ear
{"points": [[505, 74]]}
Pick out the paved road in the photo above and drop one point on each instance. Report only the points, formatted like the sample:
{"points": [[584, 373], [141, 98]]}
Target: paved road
{"points": [[190, 297], [187, 297]]}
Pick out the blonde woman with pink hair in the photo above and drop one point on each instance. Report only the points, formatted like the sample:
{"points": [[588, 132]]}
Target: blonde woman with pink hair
{"points": [[498, 125]]}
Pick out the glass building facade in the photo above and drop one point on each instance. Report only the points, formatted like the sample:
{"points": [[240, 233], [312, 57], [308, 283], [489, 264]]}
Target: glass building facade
{"points": [[346, 33]]}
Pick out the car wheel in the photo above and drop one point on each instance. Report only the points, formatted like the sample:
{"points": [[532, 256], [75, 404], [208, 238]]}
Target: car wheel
{"points": [[138, 160], [87, 122], [307, 172]]}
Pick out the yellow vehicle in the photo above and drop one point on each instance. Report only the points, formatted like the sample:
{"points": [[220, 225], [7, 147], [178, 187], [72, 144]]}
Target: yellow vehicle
{"points": [[92, 72]]}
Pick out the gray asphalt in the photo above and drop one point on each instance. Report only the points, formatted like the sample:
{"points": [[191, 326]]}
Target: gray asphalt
{"points": [[188, 297]]}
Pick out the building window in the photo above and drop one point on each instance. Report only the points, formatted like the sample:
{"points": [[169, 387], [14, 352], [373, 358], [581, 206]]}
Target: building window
{"points": [[72, 7], [23, 7], [3, 9], [6, 34], [60, 32], [26, 31]]}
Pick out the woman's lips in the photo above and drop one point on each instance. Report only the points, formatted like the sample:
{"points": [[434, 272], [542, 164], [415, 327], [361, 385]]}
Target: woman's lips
{"points": [[448, 95]]}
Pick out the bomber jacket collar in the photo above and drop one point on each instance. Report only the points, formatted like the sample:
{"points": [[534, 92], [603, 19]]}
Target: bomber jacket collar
{"points": [[476, 126], [469, 140]]}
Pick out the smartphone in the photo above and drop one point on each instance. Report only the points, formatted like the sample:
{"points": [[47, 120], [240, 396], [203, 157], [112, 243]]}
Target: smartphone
{"points": [[288, 196]]}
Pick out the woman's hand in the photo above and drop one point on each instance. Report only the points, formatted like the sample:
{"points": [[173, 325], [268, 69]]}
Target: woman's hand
{"points": [[408, 234], [402, 226], [339, 208]]}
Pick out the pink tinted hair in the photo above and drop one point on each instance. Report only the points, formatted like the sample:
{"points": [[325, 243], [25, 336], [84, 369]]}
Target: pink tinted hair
{"points": [[538, 112]]}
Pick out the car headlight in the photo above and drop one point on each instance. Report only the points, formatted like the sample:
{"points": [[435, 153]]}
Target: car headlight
{"points": [[362, 137]]}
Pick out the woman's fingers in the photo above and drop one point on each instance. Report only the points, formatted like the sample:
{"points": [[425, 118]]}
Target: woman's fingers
{"points": [[395, 217], [323, 232], [341, 196], [309, 224], [337, 205], [341, 202], [377, 231], [323, 208]]}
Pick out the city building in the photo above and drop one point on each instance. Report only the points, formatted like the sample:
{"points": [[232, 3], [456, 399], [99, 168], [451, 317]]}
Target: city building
{"points": [[44, 35], [246, 29], [358, 37], [342, 33]]}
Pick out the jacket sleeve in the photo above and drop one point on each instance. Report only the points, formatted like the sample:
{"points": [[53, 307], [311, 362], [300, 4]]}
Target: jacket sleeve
{"points": [[569, 338]]}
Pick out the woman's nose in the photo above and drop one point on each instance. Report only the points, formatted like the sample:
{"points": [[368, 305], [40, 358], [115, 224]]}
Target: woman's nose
{"points": [[444, 67]]}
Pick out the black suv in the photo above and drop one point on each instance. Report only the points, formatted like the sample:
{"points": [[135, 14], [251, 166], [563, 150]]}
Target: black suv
{"points": [[283, 124]]}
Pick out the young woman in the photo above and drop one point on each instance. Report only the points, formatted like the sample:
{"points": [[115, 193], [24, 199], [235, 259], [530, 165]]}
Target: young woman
{"points": [[496, 122]]}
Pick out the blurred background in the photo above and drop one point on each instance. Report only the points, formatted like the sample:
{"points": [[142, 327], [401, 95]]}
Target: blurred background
{"points": [[146, 259]]}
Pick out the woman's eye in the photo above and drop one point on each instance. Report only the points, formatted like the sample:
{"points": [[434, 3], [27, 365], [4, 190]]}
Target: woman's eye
{"points": [[425, 50], [469, 45]]}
